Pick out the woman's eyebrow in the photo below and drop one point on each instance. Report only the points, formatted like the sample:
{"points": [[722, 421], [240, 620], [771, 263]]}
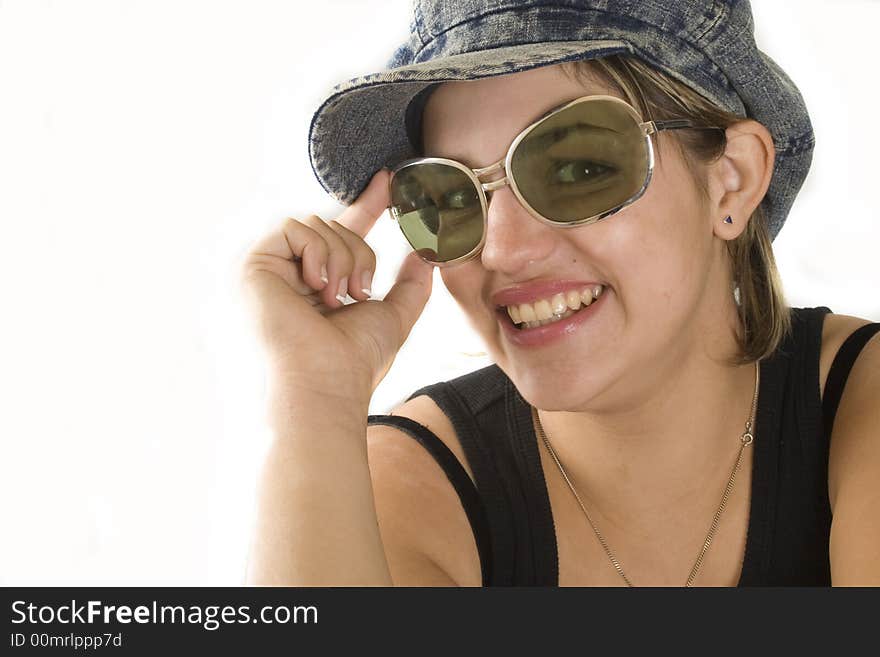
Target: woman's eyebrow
{"points": [[545, 140], [551, 137]]}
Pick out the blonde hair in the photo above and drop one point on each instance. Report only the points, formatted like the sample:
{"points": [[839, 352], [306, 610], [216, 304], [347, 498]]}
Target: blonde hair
{"points": [[763, 312]]}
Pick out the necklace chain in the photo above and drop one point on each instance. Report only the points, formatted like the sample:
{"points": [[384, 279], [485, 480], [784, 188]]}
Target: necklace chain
{"points": [[746, 439]]}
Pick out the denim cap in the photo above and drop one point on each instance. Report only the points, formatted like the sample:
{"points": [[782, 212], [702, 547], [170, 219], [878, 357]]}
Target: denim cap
{"points": [[373, 121]]}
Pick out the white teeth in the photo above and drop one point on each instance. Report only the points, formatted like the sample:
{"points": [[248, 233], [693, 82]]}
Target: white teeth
{"points": [[543, 310], [559, 303], [559, 306], [568, 313]]}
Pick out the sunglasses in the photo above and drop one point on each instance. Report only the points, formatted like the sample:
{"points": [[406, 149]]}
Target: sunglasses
{"points": [[576, 164]]}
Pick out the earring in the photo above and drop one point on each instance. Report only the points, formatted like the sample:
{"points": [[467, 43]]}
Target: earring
{"points": [[736, 295], [728, 220]]}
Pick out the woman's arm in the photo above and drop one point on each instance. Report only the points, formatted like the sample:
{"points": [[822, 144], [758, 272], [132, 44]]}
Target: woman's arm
{"points": [[316, 522], [320, 502]]}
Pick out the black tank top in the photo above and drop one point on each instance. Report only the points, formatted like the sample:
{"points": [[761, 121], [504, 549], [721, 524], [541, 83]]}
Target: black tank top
{"points": [[790, 515]]}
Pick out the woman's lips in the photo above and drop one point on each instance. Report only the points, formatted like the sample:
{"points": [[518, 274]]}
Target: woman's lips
{"points": [[530, 292], [549, 333]]}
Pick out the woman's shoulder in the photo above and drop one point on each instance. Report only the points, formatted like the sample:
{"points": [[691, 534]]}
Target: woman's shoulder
{"points": [[854, 454], [423, 523], [439, 406], [422, 408]]}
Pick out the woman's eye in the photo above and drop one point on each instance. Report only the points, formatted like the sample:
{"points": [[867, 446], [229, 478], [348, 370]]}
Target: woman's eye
{"points": [[574, 171], [459, 198]]}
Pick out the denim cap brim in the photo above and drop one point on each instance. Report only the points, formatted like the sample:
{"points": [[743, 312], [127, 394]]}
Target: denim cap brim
{"points": [[366, 123]]}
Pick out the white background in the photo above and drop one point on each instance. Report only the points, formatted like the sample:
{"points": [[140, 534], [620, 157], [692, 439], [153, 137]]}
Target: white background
{"points": [[143, 147]]}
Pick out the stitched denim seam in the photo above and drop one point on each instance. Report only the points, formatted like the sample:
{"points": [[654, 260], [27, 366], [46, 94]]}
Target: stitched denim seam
{"points": [[423, 33], [419, 22], [599, 35], [505, 10], [719, 8]]}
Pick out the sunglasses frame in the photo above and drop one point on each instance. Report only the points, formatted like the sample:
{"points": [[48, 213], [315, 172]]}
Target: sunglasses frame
{"points": [[648, 128]]}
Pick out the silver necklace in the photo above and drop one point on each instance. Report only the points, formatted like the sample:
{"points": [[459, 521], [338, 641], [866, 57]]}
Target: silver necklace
{"points": [[746, 439]]}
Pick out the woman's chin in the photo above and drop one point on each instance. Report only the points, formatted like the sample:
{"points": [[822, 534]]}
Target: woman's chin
{"points": [[551, 392]]}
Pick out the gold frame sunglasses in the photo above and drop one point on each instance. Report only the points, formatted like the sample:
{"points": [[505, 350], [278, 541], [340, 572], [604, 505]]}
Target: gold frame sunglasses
{"points": [[504, 165]]}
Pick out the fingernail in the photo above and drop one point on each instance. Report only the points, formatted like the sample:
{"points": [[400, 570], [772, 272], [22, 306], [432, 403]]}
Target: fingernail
{"points": [[343, 290], [366, 279], [324, 274]]}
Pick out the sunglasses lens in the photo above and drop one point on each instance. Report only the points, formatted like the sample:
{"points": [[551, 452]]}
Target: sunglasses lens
{"points": [[438, 209], [583, 161]]}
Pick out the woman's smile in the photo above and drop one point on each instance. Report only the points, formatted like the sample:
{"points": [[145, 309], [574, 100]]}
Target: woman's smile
{"points": [[567, 312]]}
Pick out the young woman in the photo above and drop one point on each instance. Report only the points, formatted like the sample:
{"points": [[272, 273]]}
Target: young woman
{"points": [[600, 187]]}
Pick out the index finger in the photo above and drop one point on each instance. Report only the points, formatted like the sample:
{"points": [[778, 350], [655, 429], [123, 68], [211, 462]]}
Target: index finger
{"points": [[361, 215]]}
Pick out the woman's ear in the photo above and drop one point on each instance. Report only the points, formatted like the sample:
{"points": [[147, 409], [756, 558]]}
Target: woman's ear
{"points": [[739, 179]]}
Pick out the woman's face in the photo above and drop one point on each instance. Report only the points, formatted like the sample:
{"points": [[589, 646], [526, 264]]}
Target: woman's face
{"points": [[657, 259]]}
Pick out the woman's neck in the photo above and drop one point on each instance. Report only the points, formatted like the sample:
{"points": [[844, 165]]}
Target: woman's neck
{"points": [[676, 441]]}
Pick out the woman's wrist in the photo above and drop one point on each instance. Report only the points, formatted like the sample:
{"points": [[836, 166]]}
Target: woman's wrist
{"points": [[326, 399]]}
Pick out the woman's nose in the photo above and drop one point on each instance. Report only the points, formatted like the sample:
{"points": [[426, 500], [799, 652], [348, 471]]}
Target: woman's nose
{"points": [[514, 238]]}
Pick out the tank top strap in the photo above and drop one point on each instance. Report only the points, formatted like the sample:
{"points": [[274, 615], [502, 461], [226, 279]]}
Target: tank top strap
{"points": [[471, 404], [458, 477], [485, 419], [537, 527]]}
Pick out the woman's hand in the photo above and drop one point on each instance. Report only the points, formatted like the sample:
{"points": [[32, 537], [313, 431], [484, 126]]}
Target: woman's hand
{"points": [[291, 279]]}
